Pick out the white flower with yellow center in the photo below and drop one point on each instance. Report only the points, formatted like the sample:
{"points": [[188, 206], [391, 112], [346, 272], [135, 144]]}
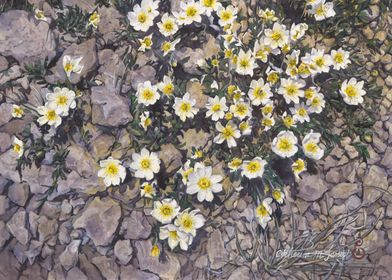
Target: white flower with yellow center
{"points": [[297, 31], [168, 46], [291, 61], [166, 86], [268, 108], [40, 15], [285, 144], [253, 168], [145, 120], [204, 183], [267, 121], [276, 37], [278, 196], [112, 172], [235, 164], [145, 43], [189, 222], [175, 236], [261, 50], [352, 91], [263, 212], [72, 65], [227, 15], [288, 120], [300, 112], [17, 111], [94, 19], [151, 7], [140, 19], [216, 108], [147, 189], [245, 128], [268, 15], [310, 146], [245, 63], [167, 26], [48, 116], [210, 6], [186, 170], [241, 110], [184, 107], [145, 164], [62, 99], [18, 146], [316, 104], [227, 133], [322, 10], [192, 11], [166, 210], [340, 59], [291, 90], [259, 92], [147, 94], [311, 92], [298, 167], [321, 61]]}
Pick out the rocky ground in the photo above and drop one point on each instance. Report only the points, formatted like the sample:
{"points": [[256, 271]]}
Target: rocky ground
{"points": [[76, 233]]}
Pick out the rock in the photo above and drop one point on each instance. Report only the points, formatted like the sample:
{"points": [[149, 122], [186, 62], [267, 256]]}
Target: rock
{"points": [[188, 58], [76, 273], [35, 249], [387, 160], [344, 190], [171, 157], [5, 140], [81, 161], [4, 204], [46, 228], [11, 74], [88, 51], [5, 113], [4, 234], [86, 5], [192, 138], [100, 220], [9, 266], [167, 270], [241, 272], [311, 187], [333, 176], [17, 227], [34, 42], [109, 23], [123, 251], [136, 226], [107, 267], [3, 63], [18, 193], [216, 250], [131, 273], [70, 256], [375, 178], [100, 146], [145, 73], [109, 108], [195, 90]]}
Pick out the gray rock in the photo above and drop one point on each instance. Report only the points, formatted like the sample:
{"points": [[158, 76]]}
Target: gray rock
{"points": [[107, 267], [131, 273], [145, 73], [18, 193], [46, 228], [171, 157], [33, 42], [241, 272], [167, 270], [86, 5], [4, 204], [3, 63], [5, 113], [311, 187], [344, 190], [9, 266], [123, 251], [375, 178], [11, 74], [17, 227], [216, 250], [5, 141], [76, 274], [109, 23], [387, 160], [136, 226], [192, 138], [191, 57], [69, 257], [100, 220], [109, 108], [4, 234]]}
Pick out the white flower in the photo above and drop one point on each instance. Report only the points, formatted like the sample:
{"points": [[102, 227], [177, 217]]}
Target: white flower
{"points": [[285, 144], [166, 86], [235, 164], [310, 146], [300, 112], [17, 111], [145, 164], [48, 116], [184, 107], [340, 59], [192, 11], [227, 15], [39, 15], [298, 166], [297, 31], [151, 7], [148, 189], [245, 63], [112, 172], [321, 61], [202, 182], [322, 10], [147, 94], [62, 99], [168, 25], [278, 196], [352, 91], [264, 211], [228, 133], [166, 210], [145, 120], [241, 110], [245, 128], [189, 222], [277, 36], [145, 43], [72, 65], [268, 121], [210, 6], [175, 236], [253, 168], [94, 19], [140, 19], [291, 90], [259, 92], [216, 108], [186, 170], [316, 104], [168, 47], [18, 146]]}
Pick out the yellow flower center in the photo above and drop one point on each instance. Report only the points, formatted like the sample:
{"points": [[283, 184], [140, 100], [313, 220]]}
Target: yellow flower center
{"points": [[276, 36], [185, 107], [208, 3], [226, 15], [216, 107], [311, 147], [338, 58], [51, 115], [277, 195], [244, 63], [204, 183], [284, 144], [191, 11], [147, 41], [62, 100], [236, 162], [273, 77], [320, 11], [166, 210], [228, 132], [166, 46], [253, 167], [17, 148], [147, 94], [351, 91], [155, 251], [145, 163], [267, 122], [112, 169], [173, 234], [302, 112], [18, 111], [142, 17], [288, 121], [187, 222], [168, 89], [168, 26], [320, 62], [291, 90], [262, 211], [309, 93], [68, 67], [298, 166]]}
